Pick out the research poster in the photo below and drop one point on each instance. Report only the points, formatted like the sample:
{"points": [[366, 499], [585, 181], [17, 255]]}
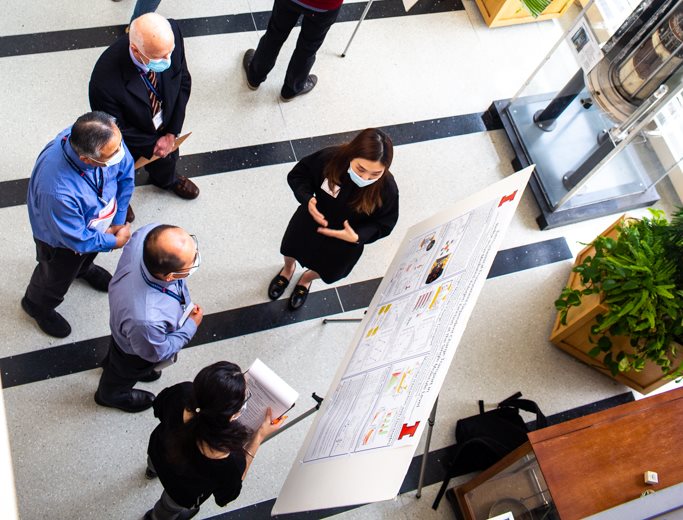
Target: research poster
{"points": [[362, 441]]}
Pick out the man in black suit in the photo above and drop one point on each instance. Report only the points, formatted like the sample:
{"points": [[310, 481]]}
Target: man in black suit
{"points": [[142, 80]]}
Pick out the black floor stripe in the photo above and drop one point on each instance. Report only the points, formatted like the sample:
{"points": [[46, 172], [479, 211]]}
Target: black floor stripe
{"points": [[13, 193], [73, 39], [71, 358], [434, 470]]}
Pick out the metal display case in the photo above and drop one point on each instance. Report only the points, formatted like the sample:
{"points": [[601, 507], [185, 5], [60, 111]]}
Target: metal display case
{"points": [[586, 116]]}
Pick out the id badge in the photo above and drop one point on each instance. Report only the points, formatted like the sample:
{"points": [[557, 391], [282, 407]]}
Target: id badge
{"points": [[325, 186], [158, 119], [105, 217]]}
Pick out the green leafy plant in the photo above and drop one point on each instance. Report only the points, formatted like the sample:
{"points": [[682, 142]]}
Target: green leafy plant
{"points": [[536, 7], [638, 276]]}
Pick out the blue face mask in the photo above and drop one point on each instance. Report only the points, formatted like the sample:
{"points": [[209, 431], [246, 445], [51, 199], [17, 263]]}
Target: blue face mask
{"points": [[159, 65], [360, 181]]}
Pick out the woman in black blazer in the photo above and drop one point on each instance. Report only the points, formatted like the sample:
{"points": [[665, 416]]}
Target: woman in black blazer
{"points": [[348, 199]]}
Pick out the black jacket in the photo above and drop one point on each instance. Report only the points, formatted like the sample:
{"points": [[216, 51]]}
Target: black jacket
{"points": [[117, 88]]}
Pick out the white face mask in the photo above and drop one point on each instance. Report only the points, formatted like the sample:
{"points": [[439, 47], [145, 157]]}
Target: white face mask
{"points": [[116, 159], [360, 181]]}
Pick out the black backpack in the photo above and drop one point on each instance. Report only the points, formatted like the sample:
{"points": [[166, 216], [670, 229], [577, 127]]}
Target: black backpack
{"points": [[485, 438]]}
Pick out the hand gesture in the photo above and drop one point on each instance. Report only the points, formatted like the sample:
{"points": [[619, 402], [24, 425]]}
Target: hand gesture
{"points": [[164, 145], [317, 216], [197, 315], [347, 234], [267, 427], [122, 236]]}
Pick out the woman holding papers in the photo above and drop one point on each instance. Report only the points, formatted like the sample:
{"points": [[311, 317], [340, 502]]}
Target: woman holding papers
{"points": [[348, 199], [199, 449]]}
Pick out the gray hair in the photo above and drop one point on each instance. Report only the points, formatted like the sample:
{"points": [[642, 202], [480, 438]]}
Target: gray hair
{"points": [[91, 132]]}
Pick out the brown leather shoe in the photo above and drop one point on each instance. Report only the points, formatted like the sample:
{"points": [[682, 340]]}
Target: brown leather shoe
{"points": [[185, 188]]}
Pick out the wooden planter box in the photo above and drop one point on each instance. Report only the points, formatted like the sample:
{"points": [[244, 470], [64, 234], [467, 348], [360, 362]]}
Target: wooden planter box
{"points": [[498, 13], [573, 337]]}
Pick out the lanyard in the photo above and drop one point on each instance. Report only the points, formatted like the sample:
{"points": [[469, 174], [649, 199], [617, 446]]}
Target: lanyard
{"points": [[149, 85], [97, 187], [180, 298]]}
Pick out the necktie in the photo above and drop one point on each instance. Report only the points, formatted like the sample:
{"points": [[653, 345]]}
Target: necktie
{"points": [[153, 99]]}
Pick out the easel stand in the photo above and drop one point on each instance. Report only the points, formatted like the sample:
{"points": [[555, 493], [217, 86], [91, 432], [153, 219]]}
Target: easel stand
{"points": [[344, 320], [289, 424], [341, 320], [362, 17], [425, 454]]}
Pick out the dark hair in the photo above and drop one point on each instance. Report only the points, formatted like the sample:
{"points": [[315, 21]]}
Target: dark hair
{"points": [[218, 393], [370, 144], [158, 261], [91, 132]]}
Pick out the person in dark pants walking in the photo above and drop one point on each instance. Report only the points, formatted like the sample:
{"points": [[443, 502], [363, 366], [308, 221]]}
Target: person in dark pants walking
{"points": [[318, 17], [77, 201]]}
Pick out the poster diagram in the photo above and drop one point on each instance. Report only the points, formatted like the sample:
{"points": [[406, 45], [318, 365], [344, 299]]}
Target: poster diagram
{"points": [[366, 432], [404, 329]]}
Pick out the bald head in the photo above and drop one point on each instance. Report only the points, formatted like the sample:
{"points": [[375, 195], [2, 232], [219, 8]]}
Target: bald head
{"points": [[152, 35], [168, 249]]}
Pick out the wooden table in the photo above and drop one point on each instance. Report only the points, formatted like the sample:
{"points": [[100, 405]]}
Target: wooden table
{"points": [[595, 462]]}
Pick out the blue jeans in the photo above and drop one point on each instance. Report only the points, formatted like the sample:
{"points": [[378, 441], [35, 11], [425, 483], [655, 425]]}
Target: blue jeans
{"points": [[144, 7]]}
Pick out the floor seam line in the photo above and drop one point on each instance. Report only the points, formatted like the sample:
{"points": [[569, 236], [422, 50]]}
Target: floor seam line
{"points": [[339, 298]]}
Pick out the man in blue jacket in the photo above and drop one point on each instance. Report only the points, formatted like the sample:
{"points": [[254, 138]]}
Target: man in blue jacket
{"points": [[77, 200]]}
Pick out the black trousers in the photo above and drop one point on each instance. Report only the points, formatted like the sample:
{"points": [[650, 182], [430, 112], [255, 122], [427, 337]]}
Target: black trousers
{"points": [[162, 172], [283, 18], [56, 270], [120, 373]]}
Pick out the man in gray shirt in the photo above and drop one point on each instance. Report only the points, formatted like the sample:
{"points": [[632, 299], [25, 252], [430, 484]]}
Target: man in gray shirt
{"points": [[149, 304]]}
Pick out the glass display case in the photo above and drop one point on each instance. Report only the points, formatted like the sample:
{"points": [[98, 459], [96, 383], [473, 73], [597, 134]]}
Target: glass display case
{"points": [[515, 486], [588, 115]]}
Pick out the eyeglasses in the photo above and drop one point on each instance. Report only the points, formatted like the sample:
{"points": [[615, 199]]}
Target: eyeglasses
{"points": [[244, 405], [188, 271]]}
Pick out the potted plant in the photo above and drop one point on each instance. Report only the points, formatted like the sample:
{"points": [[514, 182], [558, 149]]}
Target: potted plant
{"points": [[623, 306], [497, 13]]}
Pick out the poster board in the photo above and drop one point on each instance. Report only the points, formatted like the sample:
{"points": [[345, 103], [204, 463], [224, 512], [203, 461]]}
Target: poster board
{"points": [[363, 439]]}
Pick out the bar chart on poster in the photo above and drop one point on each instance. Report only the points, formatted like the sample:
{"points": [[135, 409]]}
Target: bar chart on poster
{"points": [[363, 439]]}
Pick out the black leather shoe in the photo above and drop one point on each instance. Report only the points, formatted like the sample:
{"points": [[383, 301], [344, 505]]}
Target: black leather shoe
{"points": [[150, 474], [153, 375], [130, 214], [137, 401], [248, 56], [298, 297], [309, 84], [98, 278], [51, 322], [277, 286]]}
